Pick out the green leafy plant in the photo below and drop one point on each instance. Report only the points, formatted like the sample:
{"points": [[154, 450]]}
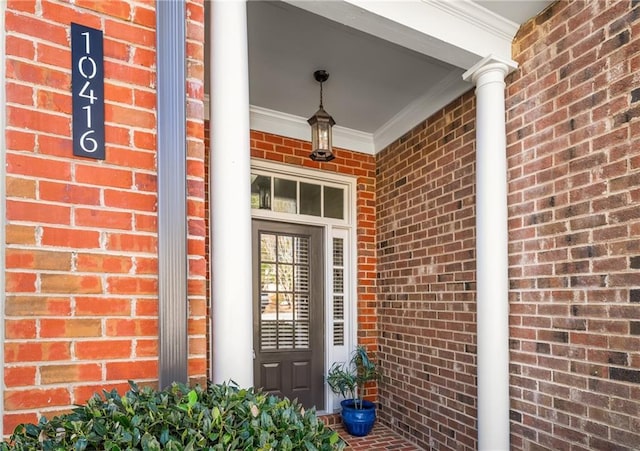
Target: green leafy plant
{"points": [[216, 418], [348, 379]]}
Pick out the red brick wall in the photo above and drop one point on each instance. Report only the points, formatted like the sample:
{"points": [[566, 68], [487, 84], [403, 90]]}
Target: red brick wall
{"points": [[574, 192], [426, 286], [81, 256], [197, 217], [295, 152], [573, 136]]}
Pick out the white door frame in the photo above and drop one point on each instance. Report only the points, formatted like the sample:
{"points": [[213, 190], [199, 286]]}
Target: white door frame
{"points": [[333, 228]]}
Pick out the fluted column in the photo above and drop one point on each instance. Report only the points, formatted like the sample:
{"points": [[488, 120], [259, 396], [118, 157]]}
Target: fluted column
{"points": [[492, 253], [230, 195]]}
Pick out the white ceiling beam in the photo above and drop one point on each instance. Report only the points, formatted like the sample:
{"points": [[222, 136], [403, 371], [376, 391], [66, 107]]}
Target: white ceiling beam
{"points": [[460, 32]]}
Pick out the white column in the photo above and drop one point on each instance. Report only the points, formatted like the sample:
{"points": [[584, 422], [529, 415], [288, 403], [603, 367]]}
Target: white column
{"points": [[230, 195], [491, 253]]}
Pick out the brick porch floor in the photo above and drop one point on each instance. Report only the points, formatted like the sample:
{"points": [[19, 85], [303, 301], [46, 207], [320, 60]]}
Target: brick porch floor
{"points": [[381, 438]]}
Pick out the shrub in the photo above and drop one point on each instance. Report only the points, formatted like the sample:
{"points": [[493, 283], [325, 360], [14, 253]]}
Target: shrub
{"points": [[220, 417]]}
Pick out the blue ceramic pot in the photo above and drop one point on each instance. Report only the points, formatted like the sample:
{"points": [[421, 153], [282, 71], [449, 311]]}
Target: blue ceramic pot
{"points": [[358, 422]]}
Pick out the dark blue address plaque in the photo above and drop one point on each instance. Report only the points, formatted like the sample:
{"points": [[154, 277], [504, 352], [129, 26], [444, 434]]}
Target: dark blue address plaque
{"points": [[87, 87]]}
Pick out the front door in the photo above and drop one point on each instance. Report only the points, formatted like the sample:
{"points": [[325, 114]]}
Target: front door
{"points": [[288, 311]]}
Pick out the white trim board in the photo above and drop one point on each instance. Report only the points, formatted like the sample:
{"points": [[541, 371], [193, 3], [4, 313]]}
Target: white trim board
{"points": [[430, 27], [291, 126], [296, 127], [446, 91]]}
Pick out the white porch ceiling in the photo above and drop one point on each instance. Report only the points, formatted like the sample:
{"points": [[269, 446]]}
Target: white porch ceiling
{"points": [[391, 63]]}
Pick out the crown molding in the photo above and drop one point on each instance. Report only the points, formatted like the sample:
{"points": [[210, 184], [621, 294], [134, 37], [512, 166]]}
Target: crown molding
{"points": [[284, 124], [477, 16], [296, 127], [431, 27], [445, 91]]}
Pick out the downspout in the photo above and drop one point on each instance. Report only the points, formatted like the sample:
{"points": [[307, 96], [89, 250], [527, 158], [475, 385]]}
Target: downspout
{"points": [[492, 256], [172, 191], [3, 197]]}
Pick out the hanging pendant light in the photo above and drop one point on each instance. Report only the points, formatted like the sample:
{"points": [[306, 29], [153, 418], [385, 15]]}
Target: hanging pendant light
{"points": [[321, 124]]}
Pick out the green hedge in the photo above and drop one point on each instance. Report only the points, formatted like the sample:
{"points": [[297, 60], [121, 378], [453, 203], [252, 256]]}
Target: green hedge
{"points": [[220, 417]]}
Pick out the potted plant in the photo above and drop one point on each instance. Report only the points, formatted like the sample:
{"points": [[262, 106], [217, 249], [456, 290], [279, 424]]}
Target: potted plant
{"points": [[348, 379]]}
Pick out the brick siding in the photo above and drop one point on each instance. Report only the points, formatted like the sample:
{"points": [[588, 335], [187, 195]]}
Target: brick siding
{"points": [[573, 139], [197, 244], [81, 298], [425, 188], [81, 253]]}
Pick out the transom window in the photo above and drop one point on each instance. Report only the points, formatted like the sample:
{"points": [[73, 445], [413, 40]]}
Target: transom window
{"points": [[283, 195]]}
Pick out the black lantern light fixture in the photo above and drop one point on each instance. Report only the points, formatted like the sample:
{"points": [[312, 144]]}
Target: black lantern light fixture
{"points": [[321, 124]]}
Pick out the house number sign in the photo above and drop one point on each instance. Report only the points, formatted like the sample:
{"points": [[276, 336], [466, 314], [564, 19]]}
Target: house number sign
{"points": [[87, 87]]}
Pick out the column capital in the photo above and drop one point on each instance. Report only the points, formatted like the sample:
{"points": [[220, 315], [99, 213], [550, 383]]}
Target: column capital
{"points": [[489, 64]]}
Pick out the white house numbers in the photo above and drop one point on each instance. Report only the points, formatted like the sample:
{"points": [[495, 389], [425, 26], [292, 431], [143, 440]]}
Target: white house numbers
{"points": [[87, 87]]}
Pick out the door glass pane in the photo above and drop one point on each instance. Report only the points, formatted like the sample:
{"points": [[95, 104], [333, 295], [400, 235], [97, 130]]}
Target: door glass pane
{"points": [[285, 334], [285, 292], [338, 334], [333, 202], [338, 252], [268, 335], [302, 279], [338, 280], [302, 251], [285, 307], [338, 307], [267, 248], [338, 292], [285, 279], [302, 334], [268, 277], [310, 196], [285, 194], [261, 192], [285, 249], [302, 307]]}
